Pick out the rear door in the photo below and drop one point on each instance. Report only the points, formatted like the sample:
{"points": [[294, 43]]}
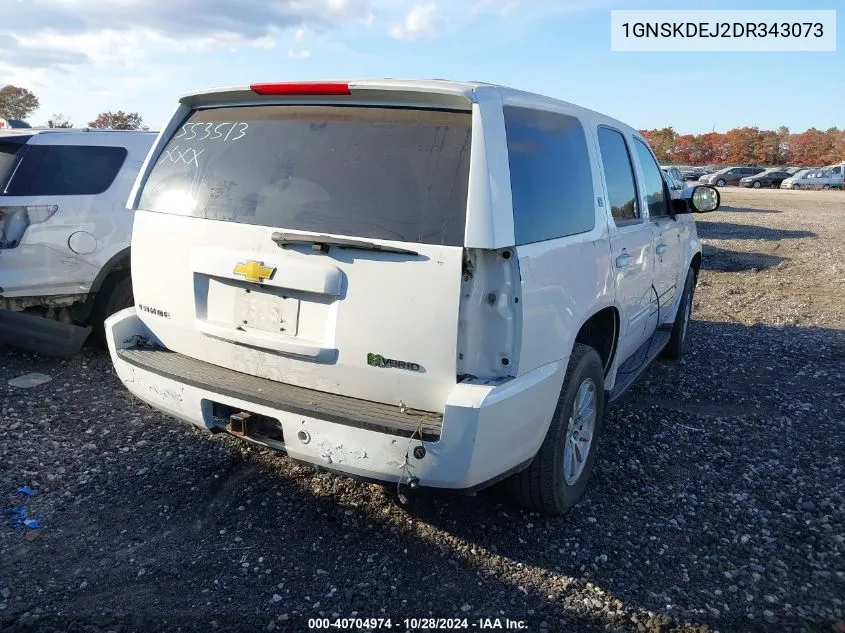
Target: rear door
{"points": [[631, 243], [317, 245], [668, 243]]}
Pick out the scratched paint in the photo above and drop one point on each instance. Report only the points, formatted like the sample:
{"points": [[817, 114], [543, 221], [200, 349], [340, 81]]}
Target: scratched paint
{"points": [[333, 453], [168, 397]]}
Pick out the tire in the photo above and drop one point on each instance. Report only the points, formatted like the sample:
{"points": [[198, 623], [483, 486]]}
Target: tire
{"points": [[115, 296], [119, 297], [544, 486], [720, 182], [826, 187], [674, 349], [796, 186], [757, 184]]}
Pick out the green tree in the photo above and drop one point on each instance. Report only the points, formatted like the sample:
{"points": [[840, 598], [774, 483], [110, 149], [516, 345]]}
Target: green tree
{"points": [[17, 103]]}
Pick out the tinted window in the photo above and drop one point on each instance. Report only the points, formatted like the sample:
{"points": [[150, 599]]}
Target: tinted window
{"points": [[389, 173], [8, 155], [619, 174], [655, 194], [551, 178], [66, 170]]}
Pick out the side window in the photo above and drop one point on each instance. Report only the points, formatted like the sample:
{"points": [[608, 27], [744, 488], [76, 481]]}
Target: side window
{"points": [[551, 175], [66, 170], [654, 190], [619, 173]]}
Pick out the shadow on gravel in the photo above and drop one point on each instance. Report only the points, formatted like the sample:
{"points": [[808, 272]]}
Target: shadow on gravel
{"points": [[730, 231], [694, 514], [708, 501], [727, 261], [730, 209]]}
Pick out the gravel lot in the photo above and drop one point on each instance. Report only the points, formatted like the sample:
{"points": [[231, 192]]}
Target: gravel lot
{"points": [[718, 501]]}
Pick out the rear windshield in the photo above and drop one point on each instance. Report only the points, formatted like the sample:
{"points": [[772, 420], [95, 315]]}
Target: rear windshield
{"points": [[388, 173]]}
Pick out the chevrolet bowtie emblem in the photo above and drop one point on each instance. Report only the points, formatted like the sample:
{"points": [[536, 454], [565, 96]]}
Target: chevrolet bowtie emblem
{"points": [[254, 271]]}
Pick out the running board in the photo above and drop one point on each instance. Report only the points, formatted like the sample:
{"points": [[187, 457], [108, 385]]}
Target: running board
{"points": [[631, 369]]}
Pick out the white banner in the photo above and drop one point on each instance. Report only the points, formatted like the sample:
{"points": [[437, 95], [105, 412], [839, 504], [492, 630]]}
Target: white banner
{"points": [[723, 30]]}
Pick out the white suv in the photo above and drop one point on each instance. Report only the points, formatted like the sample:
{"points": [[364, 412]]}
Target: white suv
{"points": [[64, 232], [421, 282]]}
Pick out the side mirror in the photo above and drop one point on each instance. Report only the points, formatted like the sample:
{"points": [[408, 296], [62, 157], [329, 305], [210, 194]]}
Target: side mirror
{"points": [[698, 199]]}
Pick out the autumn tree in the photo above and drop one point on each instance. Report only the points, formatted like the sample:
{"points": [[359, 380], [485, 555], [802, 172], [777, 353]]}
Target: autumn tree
{"points": [[661, 142], [750, 145], [17, 103], [687, 149], [713, 148], [119, 120]]}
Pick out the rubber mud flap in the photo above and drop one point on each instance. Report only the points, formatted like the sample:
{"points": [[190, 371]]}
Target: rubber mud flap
{"points": [[41, 335]]}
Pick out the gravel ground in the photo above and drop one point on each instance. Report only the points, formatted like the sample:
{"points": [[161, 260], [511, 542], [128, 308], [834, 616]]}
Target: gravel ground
{"points": [[717, 503]]}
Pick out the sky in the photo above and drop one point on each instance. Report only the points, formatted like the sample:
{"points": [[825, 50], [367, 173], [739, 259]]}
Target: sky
{"points": [[82, 57]]}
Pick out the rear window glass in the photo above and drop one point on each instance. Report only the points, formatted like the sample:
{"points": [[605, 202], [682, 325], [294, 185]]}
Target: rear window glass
{"points": [[66, 170], [386, 173], [8, 156], [551, 179]]}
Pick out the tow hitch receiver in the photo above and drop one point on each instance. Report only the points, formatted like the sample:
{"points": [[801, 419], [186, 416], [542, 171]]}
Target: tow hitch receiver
{"points": [[250, 426], [237, 423]]}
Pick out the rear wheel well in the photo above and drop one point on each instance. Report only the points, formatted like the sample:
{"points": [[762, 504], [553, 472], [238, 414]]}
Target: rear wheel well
{"points": [[696, 264], [89, 312], [601, 332]]}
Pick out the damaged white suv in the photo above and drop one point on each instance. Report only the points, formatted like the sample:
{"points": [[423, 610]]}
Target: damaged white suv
{"points": [[428, 283]]}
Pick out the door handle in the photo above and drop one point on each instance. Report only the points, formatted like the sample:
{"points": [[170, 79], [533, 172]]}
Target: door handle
{"points": [[623, 260], [661, 248]]}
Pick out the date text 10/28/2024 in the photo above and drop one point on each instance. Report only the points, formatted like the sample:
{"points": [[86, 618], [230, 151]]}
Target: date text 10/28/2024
{"points": [[413, 624]]}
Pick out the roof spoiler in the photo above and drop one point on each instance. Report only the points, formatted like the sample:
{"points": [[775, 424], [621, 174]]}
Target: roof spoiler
{"points": [[402, 93]]}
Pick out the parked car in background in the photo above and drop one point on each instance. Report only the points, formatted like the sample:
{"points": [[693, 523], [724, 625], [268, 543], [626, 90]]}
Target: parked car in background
{"points": [[787, 183], [274, 277], [769, 178], [809, 179], [833, 176], [13, 124], [64, 233], [730, 175], [693, 173], [674, 179]]}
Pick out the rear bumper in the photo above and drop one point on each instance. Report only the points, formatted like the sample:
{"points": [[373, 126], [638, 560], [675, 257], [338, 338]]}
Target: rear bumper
{"points": [[485, 432], [41, 335]]}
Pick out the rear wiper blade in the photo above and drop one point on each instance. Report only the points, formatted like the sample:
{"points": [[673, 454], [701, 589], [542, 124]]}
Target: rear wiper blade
{"points": [[323, 242]]}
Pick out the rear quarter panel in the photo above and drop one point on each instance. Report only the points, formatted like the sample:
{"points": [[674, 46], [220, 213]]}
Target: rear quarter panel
{"points": [[565, 280]]}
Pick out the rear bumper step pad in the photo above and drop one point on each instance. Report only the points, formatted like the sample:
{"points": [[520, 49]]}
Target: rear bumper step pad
{"points": [[374, 416]]}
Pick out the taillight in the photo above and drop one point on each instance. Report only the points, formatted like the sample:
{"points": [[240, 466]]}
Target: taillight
{"points": [[302, 88], [15, 220]]}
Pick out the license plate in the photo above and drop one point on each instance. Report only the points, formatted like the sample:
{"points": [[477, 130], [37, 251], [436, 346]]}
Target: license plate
{"points": [[266, 311]]}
